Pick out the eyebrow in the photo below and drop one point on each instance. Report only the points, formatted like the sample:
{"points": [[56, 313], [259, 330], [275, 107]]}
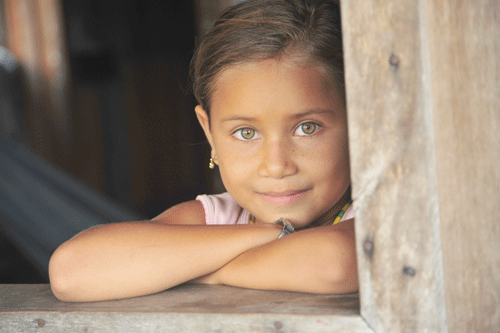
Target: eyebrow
{"points": [[312, 112], [237, 118], [295, 116]]}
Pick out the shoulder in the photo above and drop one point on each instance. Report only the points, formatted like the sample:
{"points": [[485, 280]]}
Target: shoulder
{"points": [[216, 202], [206, 209], [189, 212], [223, 209]]}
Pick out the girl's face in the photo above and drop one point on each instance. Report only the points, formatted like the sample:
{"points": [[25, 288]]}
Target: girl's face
{"points": [[279, 134]]}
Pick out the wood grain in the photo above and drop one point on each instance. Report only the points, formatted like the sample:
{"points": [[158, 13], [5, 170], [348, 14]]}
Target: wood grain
{"points": [[391, 138], [465, 53], [187, 308], [423, 95]]}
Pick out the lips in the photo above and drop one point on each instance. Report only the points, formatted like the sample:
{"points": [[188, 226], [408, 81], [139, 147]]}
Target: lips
{"points": [[283, 198]]}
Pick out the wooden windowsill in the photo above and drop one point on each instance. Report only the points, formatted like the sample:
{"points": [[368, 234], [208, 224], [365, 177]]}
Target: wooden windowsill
{"points": [[187, 308]]}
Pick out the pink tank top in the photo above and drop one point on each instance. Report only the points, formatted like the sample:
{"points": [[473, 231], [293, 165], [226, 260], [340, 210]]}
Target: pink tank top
{"points": [[222, 209]]}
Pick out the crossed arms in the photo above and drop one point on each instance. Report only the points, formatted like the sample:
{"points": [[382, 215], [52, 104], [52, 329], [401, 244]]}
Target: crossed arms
{"points": [[138, 258]]}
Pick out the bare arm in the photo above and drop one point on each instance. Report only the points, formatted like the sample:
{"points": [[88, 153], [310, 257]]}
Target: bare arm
{"points": [[318, 260], [137, 258]]}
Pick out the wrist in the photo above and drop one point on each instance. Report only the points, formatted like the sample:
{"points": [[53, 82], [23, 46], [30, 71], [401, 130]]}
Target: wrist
{"points": [[271, 230], [287, 227]]}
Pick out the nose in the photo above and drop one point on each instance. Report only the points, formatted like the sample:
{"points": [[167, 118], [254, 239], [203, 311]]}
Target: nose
{"points": [[277, 159]]}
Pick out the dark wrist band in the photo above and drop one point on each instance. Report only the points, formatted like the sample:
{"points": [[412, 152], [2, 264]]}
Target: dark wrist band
{"points": [[287, 227]]}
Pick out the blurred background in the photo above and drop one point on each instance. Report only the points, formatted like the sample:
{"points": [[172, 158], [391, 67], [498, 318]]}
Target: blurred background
{"points": [[97, 119]]}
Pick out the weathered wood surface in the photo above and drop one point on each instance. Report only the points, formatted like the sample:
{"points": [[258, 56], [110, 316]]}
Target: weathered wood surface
{"points": [[187, 308], [423, 95], [465, 58], [391, 138]]}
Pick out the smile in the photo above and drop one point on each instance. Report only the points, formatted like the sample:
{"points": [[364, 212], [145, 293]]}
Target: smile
{"points": [[283, 198]]}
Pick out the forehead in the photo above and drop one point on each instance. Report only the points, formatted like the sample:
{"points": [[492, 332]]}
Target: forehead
{"points": [[273, 84]]}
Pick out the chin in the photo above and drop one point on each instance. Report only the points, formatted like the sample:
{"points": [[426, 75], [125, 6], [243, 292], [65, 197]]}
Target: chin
{"points": [[298, 222]]}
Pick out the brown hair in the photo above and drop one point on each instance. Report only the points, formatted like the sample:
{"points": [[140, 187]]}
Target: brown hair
{"points": [[300, 30]]}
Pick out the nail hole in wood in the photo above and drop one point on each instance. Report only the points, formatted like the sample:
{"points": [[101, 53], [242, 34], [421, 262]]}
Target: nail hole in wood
{"points": [[394, 61], [410, 271], [41, 322], [368, 247]]}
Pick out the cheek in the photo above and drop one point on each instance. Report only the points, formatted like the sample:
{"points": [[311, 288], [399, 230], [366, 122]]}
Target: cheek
{"points": [[234, 164], [330, 159]]}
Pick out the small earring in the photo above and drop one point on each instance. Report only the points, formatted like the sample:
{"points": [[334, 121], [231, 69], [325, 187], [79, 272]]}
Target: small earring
{"points": [[211, 165]]}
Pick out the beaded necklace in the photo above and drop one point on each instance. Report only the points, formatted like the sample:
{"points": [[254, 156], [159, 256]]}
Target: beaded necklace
{"points": [[342, 212]]}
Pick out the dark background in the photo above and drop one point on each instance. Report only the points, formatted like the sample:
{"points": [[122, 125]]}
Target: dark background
{"points": [[131, 131]]}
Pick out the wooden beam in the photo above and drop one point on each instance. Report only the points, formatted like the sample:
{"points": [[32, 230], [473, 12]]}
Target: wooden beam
{"points": [[393, 167], [464, 48], [423, 98], [187, 308]]}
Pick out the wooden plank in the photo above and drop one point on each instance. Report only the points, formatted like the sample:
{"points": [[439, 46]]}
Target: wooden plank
{"points": [[465, 53], [391, 137], [187, 308]]}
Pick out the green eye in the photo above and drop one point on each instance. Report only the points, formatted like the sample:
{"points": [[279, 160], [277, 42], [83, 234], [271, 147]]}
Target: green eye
{"points": [[246, 134], [308, 128]]}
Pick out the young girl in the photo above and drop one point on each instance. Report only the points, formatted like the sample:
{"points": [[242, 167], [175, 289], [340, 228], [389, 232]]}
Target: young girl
{"points": [[269, 81]]}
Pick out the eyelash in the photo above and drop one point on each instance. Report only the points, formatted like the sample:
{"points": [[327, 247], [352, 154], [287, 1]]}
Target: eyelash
{"points": [[315, 126], [239, 136], [255, 135]]}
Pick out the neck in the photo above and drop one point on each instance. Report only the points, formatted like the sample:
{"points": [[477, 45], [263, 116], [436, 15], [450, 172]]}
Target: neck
{"points": [[330, 215]]}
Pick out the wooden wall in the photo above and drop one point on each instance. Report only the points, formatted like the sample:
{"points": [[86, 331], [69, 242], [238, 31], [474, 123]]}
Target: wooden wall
{"points": [[423, 99], [465, 83]]}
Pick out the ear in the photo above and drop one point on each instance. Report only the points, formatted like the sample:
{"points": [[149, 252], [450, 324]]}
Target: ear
{"points": [[204, 120]]}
